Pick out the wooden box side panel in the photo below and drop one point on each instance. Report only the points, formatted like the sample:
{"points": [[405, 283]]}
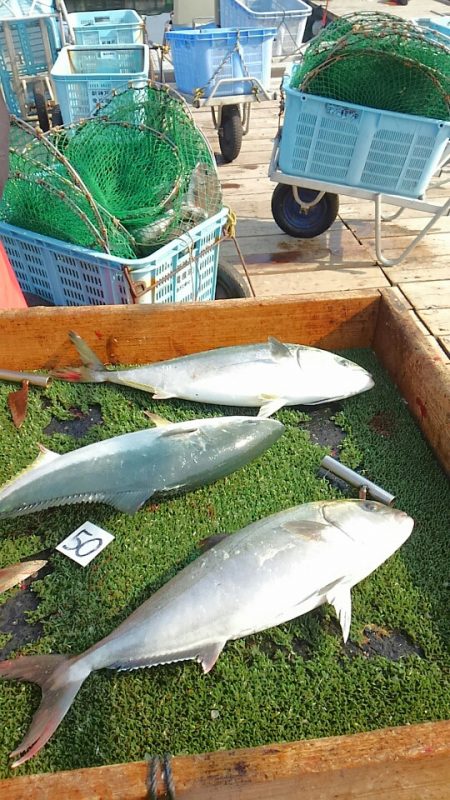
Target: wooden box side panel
{"points": [[37, 337], [405, 763], [419, 368]]}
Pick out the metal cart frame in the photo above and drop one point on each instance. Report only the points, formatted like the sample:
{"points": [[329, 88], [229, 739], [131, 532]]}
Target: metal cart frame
{"points": [[403, 203]]}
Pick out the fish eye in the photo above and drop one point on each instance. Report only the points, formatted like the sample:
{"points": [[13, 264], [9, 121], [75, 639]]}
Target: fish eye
{"points": [[369, 505]]}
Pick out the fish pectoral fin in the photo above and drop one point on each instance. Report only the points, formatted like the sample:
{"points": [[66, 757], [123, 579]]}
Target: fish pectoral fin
{"points": [[278, 350], [160, 394], [44, 457], [340, 597], [129, 502], [269, 405], [172, 431], [157, 420], [210, 655], [308, 530]]}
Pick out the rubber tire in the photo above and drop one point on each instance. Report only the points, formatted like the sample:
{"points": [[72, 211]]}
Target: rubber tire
{"points": [[41, 106], [286, 212], [57, 119], [230, 132], [230, 284]]}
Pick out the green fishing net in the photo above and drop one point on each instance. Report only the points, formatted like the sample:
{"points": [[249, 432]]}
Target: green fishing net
{"points": [[127, 181], [378, 61]]}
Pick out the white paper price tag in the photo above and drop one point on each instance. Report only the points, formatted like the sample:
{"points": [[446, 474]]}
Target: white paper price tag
{"points": [[85, 543]]}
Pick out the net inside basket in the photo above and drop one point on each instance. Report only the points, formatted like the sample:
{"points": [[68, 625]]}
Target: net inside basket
{"points": [[127, 181], [378, 61]]}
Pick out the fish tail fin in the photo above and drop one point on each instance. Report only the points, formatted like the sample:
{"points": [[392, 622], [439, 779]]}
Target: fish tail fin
{"points": [[92, 371], [60, 678]]}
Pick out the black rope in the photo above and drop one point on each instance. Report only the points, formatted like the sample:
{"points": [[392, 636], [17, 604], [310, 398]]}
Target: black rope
{"points": [[153, 774]]}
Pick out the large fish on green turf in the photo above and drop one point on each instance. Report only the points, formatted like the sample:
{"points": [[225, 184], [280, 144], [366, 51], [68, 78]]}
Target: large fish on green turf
{"points": [[265, 574], [268, 376], [127, 470]]}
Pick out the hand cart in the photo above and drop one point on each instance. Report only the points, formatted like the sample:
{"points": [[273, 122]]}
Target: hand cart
{"points": [[233, 87], [327, 147]]}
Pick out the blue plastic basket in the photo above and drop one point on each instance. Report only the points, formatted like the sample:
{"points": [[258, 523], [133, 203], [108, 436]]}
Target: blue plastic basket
{"points": [[203, 56], [84, 76], [288, 16], [29, 53], [358, 146], [183, 270], [441, 25], [123, 26]]}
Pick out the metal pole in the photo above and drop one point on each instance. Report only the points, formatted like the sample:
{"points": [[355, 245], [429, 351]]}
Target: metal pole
{"points": [[31, 377], [354, 479]]}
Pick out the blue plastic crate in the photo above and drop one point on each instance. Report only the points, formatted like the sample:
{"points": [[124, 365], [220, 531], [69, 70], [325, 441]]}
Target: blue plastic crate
{"points": [[358, 146], [183, 270], [28, 50], [123, 26], [203, 56], [441, 25], [84, 76], [287, 16]]}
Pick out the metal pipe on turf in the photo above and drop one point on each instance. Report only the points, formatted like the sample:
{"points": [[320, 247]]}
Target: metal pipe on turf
{"points": [[347, 474]]}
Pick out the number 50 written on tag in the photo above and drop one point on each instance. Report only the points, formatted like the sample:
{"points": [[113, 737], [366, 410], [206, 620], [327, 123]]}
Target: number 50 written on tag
{"points": [[84, 544]]}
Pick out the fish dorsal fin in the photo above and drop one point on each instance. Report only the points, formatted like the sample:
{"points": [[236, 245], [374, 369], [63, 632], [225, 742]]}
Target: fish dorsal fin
{"points": [[88, 357], [45, 457], [340, 597], [310, 531], [211, 541], [160, 422], [278, 350]]}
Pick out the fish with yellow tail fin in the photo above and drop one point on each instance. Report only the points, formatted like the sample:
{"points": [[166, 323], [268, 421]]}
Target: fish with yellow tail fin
{"points": [[126, 471], [266, 376], [265, 574]]}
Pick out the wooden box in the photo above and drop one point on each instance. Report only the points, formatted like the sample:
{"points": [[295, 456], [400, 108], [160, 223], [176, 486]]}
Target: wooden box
{"points": [[405, 763]]}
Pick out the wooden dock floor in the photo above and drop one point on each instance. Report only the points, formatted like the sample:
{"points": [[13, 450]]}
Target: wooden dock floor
{"points": [[343, 258]]}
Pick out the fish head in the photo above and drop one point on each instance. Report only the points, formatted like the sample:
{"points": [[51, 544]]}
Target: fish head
{"points": [[245, 433], [330, 375], [373, 530]]}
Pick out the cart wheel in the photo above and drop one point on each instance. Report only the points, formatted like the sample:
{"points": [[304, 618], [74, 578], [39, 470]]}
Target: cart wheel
{"points": [[41, 105], [303, 224], [230, 133], [230, 284], [57, 117]]}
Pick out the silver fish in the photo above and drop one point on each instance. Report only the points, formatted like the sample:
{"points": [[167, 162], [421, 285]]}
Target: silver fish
{"points": [[267, 573], [127, 470], [268, 376]]}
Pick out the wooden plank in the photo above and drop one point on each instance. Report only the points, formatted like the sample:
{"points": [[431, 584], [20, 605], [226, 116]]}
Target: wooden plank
{"points": [[405, 226], [436, 269], [437, 320], [417, 365], [290, 280], [36, 338], [428, 294], [444, 341], [333, 246], [406, 763]]}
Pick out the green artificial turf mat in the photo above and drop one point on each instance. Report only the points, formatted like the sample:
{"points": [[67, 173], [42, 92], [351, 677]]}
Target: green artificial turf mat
{"points": [[291, 682]]}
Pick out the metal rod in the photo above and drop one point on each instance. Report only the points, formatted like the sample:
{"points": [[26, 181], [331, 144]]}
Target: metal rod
{"points": [[35, 380], [354, 479]]}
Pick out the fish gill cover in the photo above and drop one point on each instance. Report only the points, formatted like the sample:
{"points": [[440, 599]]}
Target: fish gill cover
{"points": [[125, 182]]}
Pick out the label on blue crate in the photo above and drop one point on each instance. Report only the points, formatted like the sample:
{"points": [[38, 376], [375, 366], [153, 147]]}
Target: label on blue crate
{"points": [[342, 111], [84, 544]]}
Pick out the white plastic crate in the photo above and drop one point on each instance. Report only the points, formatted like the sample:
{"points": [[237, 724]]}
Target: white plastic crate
{"points": [[183, 270], [84, 76], [288, 16], [354, 145], [123, 26]]}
